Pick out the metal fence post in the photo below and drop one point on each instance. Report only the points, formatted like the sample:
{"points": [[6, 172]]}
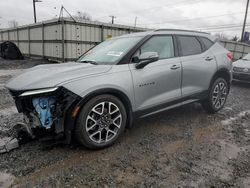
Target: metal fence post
{"points": [[63, 41], [17, 36], [43, 45], [29, 39], [102, 33]]}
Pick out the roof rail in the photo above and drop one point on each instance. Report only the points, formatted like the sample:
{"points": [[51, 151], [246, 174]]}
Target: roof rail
{"points": [[181, 30]]}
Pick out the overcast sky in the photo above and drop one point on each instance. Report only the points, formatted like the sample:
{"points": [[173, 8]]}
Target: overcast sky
{"points": [[207, 15]]}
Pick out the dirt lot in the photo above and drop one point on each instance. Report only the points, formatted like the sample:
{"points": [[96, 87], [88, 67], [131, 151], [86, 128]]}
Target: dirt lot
{"points": [[184, 147]]}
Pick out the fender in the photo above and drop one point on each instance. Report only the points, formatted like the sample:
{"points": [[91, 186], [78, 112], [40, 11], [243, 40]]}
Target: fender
{"points": [[119, 94], [222, 72]]}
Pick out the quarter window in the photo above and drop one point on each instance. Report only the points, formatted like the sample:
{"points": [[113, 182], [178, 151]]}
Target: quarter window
{"points": [[190, 45], [208, 43], [163, 45]]}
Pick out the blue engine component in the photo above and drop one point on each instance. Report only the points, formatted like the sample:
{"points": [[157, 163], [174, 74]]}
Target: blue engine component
{"points": [[44, 107]]}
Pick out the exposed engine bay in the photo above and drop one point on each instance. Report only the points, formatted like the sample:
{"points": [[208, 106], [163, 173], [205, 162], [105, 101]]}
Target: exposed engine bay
{"points": [[47, 115], [45, 108]]}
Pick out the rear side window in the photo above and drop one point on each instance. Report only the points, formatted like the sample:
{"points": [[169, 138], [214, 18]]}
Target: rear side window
{"points": [[163, 45], [208, 43], [190, 45]]}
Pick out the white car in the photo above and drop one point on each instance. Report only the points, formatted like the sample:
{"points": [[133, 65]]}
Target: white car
{"points": [[241, 69]]}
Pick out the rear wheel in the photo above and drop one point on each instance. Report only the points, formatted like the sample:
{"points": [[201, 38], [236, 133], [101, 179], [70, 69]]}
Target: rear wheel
{"points": [[101, 121], [217, 96]]}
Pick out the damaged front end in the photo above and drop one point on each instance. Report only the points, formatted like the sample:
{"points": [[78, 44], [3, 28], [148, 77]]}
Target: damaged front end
{"points": [[48, 113]]}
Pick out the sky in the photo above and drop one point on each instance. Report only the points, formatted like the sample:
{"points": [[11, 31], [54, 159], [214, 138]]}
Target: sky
{"points": [[215, 16]]}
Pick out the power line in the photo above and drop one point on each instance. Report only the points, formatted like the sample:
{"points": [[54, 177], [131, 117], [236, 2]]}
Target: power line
{"points": [[152, 8], [220, 26], [192, 19], [167, 5]]}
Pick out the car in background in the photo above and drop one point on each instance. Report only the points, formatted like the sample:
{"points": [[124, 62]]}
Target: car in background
{"points": [[241, 69]]}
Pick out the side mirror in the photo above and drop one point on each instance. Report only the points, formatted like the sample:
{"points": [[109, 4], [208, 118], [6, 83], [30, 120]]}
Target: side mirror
{"points": [[145, 58], [240, 58]]}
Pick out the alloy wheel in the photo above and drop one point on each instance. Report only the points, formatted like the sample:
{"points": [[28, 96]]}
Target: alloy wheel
{"points": [[103, 122], [219, 95]]}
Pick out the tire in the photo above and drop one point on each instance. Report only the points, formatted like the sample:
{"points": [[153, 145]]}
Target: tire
{"points": [[101, 121], [217, 97]]}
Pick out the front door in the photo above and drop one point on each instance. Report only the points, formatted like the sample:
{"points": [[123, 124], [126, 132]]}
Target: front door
{"points": [[158, 83]]}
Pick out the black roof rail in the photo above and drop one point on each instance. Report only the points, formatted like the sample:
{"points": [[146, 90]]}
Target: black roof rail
{"points": [[181, 30]]}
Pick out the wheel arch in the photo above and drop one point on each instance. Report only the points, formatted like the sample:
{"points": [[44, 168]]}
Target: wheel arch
{"points": [[117, 93], [222, 73]]}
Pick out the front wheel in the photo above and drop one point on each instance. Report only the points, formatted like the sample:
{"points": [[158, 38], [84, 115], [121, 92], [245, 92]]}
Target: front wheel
{"points": [[101, 121], [217, 96]]}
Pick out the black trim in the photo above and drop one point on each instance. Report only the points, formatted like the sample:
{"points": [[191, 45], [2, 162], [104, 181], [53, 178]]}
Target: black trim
{"points": [[176, 47], [200, 38], [203, 47], [199, 96]]}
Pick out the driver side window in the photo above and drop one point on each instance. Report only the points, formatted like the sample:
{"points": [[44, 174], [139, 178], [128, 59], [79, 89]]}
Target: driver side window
{"points": [[163, 45]]}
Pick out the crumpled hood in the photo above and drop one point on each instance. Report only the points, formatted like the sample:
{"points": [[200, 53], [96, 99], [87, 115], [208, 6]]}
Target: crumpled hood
{"points": [[242, 63], [51, 75]]}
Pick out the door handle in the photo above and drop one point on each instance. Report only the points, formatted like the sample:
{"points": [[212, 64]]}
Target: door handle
{"points": [[174, 67], [209, 58]]}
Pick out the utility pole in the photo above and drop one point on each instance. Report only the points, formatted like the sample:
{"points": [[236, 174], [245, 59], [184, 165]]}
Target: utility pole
{"points": [[113, 19], [135, 20], [34, 8], [244, 24]]}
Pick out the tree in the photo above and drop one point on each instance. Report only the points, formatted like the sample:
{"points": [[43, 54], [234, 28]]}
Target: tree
{"points": [[235, 38], [82, 16], [13, 24], [221, 36]]}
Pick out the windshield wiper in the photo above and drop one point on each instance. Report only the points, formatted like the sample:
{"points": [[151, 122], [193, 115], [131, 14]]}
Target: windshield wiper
{"points": [[91, 62]]}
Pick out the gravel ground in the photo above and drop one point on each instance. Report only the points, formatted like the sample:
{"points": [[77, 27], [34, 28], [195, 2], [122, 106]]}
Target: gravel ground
{"points": [[184, 147]]}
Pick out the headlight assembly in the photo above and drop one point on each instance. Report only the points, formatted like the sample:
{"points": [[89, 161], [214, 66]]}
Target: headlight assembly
{"points": [[38, 91]]}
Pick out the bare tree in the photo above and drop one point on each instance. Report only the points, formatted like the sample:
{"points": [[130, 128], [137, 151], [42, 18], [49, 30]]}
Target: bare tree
{"points": [[221, 36], [236, 38], [81, 16], [13, 24]]}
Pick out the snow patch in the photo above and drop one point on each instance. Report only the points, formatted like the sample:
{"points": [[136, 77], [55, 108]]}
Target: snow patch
{"points": [[232, 119], [6, 179]]}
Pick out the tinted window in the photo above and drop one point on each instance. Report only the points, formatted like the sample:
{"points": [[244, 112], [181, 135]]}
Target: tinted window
{"points": [[190, 45], [163, 45], [208, 43]]}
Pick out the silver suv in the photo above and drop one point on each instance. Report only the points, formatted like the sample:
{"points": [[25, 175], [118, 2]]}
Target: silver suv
{"points": [[123, 78]]}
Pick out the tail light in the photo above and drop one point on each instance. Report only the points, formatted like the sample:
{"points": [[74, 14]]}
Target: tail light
{"points": [[230, 55]]}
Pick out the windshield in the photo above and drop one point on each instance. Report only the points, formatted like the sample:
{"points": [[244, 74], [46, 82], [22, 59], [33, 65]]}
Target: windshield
{"points": [[110, 51], [247, 57]]}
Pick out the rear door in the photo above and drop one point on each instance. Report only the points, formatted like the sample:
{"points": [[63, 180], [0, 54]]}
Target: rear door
{"points": [[159, 82], [199, 65]]}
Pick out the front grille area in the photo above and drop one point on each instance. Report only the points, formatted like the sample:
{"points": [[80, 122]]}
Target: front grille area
{"points": [[15, 93], [243, 77], [240, 69]]}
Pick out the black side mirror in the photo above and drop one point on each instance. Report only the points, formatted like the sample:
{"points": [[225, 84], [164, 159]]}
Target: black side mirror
{"points": [[145, 58], [240, 58]]}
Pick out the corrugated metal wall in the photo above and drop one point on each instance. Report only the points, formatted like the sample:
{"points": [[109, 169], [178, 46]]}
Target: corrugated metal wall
{"points": [[239, 49], [62, 40]]}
